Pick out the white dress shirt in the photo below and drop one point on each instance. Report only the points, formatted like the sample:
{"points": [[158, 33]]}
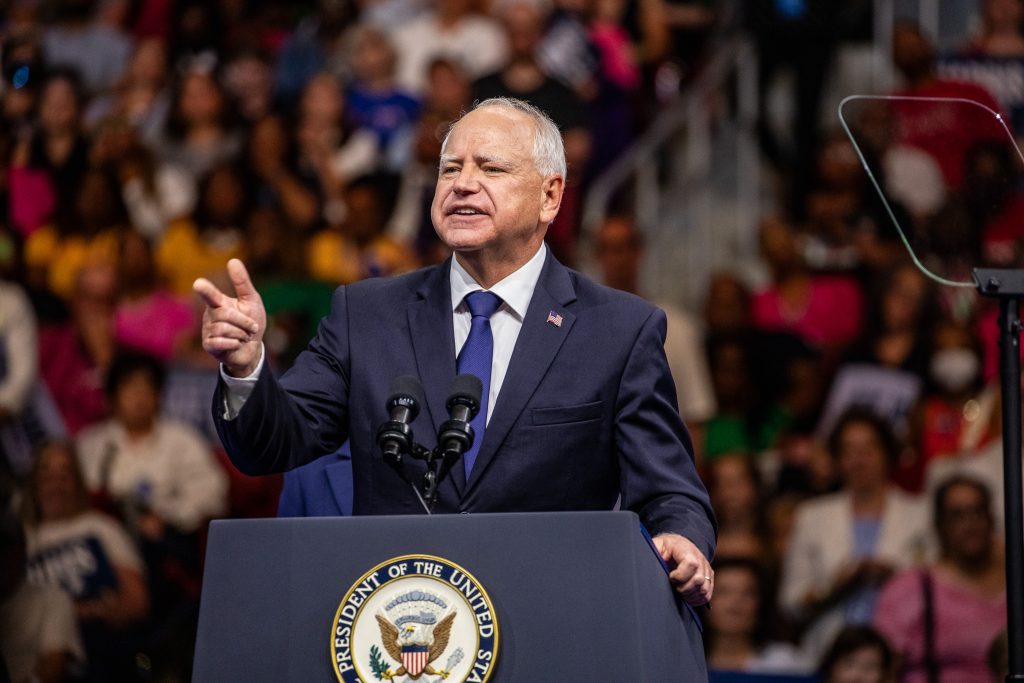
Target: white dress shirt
{"points": [[515, 291]]}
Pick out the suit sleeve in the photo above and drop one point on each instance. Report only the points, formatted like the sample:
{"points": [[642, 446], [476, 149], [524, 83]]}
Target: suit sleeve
{"points": [[304, 415], [658, 477]]}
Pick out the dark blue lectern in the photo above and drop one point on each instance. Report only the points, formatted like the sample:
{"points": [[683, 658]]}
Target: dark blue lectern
{"points": [[578, 596]]}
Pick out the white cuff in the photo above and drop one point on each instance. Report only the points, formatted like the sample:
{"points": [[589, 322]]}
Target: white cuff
{"points": [[238, 389]]}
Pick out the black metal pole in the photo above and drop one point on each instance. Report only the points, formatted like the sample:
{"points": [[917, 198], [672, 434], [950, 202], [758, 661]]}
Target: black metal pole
{"points": [[1008, 287], [1009, 341]]}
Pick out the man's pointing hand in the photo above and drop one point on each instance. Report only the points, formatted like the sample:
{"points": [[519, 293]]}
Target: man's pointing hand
{"points": [[233, 327]]}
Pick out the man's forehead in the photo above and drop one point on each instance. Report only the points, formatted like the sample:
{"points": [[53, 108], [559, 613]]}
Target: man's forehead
{"points": [[495, 128]]}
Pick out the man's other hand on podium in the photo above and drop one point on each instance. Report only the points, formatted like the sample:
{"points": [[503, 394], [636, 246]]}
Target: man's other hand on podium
{"points": [[233, 327], [691, 574]]}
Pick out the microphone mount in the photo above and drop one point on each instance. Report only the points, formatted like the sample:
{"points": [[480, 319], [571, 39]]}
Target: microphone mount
{"points": [[395, 436]]}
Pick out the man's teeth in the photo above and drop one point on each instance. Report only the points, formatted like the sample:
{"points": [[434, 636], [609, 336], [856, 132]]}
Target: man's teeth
{"points": [[466, 212]]}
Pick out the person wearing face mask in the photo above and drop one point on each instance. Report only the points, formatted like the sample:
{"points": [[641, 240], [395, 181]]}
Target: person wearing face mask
{"points": [[958, 413]]}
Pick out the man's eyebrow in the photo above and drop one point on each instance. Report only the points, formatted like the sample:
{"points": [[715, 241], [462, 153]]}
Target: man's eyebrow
{"points": [[479, 159], [484, 159]]}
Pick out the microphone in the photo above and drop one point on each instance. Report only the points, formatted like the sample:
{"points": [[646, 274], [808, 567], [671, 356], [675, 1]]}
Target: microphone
{"points": [[456, 436], [403, 405]]}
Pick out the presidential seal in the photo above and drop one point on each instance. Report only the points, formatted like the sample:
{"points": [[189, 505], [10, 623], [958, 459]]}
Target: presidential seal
{"points": [[415, 618]]}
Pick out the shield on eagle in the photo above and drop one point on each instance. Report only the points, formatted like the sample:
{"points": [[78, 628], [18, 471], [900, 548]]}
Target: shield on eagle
{"points": [[415, 659]]}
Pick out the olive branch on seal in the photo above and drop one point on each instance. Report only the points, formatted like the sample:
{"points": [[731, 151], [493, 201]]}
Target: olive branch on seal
{"points": [[377, 663]]}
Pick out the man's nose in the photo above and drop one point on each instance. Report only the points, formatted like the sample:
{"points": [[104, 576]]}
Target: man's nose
{"points": [[466, 182]]}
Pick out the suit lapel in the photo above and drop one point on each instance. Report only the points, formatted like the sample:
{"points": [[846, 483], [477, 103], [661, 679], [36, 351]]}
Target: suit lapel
{"points": [[433, 341], [535, 349]]}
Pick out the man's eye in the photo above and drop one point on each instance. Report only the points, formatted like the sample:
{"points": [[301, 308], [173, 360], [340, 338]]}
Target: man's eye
{"points": [[449, 170], [493, 169]]}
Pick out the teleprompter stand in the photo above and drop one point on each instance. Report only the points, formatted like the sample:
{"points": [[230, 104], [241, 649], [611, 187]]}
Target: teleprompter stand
{"points": [[1008, 286]]}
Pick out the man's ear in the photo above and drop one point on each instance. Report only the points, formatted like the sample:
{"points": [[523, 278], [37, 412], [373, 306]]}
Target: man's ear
{"points": [[551, 197]]}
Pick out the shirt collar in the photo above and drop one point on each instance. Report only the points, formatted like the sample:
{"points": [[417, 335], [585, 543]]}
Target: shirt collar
{"points": [[515, 289]]}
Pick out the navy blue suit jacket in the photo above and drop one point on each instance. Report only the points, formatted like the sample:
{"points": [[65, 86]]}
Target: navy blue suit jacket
{"points": [[587, 410]]}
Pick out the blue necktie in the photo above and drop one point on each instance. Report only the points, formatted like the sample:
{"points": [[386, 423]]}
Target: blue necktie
{"points": [[475, 359]]}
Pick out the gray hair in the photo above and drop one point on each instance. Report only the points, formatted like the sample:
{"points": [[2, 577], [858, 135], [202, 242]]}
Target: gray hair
{"points": [[548, 150]]}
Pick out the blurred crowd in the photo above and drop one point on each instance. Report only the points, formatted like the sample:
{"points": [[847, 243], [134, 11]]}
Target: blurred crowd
{"points": [[844, 410]]}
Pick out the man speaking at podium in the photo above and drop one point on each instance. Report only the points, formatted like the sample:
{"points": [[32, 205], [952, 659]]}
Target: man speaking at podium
{"points": [[578, 400]]}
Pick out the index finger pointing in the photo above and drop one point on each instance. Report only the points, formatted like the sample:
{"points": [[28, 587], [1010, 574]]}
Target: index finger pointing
{"points": [[244, 288], [208, 292]]}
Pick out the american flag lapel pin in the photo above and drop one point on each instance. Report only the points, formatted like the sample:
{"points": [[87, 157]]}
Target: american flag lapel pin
{"points": [[555, 319]]}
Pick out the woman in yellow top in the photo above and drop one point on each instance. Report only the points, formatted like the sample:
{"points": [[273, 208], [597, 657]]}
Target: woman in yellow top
{"points": [[356, 247], [195, 248], [54, 254]]}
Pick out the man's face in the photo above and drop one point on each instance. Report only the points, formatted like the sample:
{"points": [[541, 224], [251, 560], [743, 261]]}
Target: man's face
{"points": [[618, 253], [489, 194]]}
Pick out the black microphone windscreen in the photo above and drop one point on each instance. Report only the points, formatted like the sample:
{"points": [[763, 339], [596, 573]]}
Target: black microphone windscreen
{"points": [[466, 386], [406, 390]]}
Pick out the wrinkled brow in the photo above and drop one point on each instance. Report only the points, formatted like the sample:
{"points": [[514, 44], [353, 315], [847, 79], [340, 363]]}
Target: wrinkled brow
{"points": [[480, 160]]}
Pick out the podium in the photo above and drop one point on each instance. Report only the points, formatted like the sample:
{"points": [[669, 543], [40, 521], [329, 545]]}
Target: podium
{"points": [[576, 596]]}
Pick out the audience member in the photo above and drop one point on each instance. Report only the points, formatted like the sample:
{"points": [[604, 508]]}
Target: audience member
{"points": [[314, 41], [942, 619], [859, 654], [738, 634], [1001, 34], [887, 367], [148, 318], [994, 203], [331, 151], [449, 28], [357, 247], [848, 225], [141, 96], [846, 544], [88, 235], [741, 423], [200, 245], [48, 164], [907, 175], [277, 181], [249, 80], [79, 40], [940, 116], [800, 302], [994, 57], [734, 484], [162, 473], [155, 193], [801, 36], [78, 351], [91, 557], [898, 326], [39, 640], [375, 101], [727, 305], [19, 376], [566, 51], [199, 134], [959, 411]]}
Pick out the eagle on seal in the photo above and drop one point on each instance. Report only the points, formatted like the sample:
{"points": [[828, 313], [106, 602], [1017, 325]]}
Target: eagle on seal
{"points": [[404, 645]]}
